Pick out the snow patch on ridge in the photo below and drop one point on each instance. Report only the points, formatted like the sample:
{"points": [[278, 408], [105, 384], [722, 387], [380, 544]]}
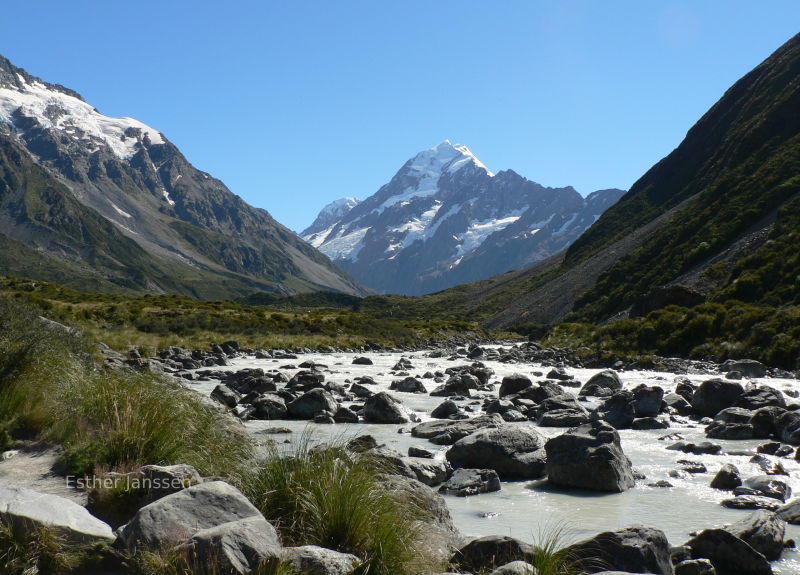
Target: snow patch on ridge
{"points": [[346, 246], [74, 117]]}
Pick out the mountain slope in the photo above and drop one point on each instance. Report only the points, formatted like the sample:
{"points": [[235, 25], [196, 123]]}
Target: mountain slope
{"points": [[717, 214], [444, 219], [114, 199]]}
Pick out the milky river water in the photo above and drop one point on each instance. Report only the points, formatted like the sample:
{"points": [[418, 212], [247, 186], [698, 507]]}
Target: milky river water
{"points": [[530, 509]]}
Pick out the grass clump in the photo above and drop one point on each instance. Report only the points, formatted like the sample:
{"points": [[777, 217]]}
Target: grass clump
{"points": [[330, 497]]}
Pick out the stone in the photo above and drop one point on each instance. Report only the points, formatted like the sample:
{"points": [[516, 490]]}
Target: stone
{"points": [[408, 385], [446, 409], [314, 560], [73, 522], [695, 567], [721, 430], [414, 451], [763, 530], [177, 517], [649, 423], [233, 547], [515, 568], [769, 486], [763, 396], [589, 457], [647, 400], [225, 395], [636, 549], [269, 406], [727, 478], [714, 395], [617, 410], [311, 403], [564, 418], [747, 367], [751, 502], [345, 415], [448, 432], [466, 482], [383, 408], [788, 427], [362, 361], [790, 512], [729, 554], [514, 383], [514, 453], [488, 552], [306, 380], [602, 384]]}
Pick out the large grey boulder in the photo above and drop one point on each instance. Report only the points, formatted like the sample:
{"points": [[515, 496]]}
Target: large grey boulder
{"points": [[747, 367], [466, 482], [25, 506], [589, 457], [311, 403], [727, 478], [759, 397], [491, 551], [695, 567], [716, 394], [602, 384], [729, 554], [176, 518], [513, 452], [617, 410], [313, 560], [448, 432], [269, 406], [233, 547], [763, 530], [514, 383], [637, 549], [647, 400], [383, 408]]}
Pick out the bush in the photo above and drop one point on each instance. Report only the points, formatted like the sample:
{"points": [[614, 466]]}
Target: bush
{"points": [[333, 498]]}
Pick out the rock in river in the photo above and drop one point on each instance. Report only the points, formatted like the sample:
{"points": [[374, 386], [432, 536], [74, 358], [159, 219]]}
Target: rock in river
{"points": [[513, 452]]}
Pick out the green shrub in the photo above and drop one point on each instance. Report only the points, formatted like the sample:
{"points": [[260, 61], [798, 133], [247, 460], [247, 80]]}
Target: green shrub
{"points": [[334, 499]]}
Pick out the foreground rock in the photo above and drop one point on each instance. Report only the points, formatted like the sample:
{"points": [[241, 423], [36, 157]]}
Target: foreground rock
{"points": [[764, 532], [313, 560], [514, 453], [635, 549], [66, 517], [448, 432], [729, 554], [466, 482], [589, 457], [485, 553]]}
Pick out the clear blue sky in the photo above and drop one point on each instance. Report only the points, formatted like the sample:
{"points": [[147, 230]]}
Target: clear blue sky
{"points": [[295, 103]]}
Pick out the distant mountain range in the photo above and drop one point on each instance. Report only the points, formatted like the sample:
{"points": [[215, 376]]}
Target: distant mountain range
{"points": [[445, 218], [109, 204], [716, 220]]}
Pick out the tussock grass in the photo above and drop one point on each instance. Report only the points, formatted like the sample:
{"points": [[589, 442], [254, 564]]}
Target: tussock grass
{"points": [[332, 498], [30, 549]]}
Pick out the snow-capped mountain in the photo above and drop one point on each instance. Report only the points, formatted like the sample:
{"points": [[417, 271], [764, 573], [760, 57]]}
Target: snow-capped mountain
{"points": [[329, 215], [445, 219], [109, 203]]}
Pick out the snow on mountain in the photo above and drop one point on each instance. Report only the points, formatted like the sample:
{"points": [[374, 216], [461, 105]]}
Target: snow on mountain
{"points": [[445, 218], [328, 215]]}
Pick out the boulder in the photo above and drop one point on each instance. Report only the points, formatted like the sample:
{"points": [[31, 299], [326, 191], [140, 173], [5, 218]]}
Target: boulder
{"points": [[763, 530], [636, 549], [729, 554], [269, 406], [721, 430], [225, 395], [313, 560], [714, 395], [176, 518], [727, 478], [233, 547], [649, 423], [466, 482], [306, 379], [617, 410], [564, 418], [362, 361], [446, 410], [383, 408], [345, 415], [23, 507], [488, 552], [790, 512], [311, 403], [751, 502], [408, 385], [514, 453], [589, 457], [747, 367], [765, 422], [602, 384], [788, 427], [678, 403], [763, 396], [515, 568], [695, 567], [769, 486], [514, 383], [459, 384], [647, 400], [448, 432]]}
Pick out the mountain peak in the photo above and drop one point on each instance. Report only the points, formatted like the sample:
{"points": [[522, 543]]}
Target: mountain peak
{"points": [[446, 157]]}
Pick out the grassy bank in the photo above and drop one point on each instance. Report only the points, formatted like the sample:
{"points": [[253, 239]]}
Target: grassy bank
{"points": [[158, 321]]}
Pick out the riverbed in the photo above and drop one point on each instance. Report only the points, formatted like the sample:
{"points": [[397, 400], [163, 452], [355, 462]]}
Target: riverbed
{"points": [[530, 510]]}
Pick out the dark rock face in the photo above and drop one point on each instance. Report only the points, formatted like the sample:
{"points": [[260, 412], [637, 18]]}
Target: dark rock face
{"points": [[764, 531], [466, 482], [635, 549], [513, 453], [488, 552], [729, 554], [383, 408], [514, 384], [589, 457], [714, 395], [727, 478]]}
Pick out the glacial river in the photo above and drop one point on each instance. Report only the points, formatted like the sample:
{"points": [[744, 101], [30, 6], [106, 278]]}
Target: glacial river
{"points": [[526, 509]]}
